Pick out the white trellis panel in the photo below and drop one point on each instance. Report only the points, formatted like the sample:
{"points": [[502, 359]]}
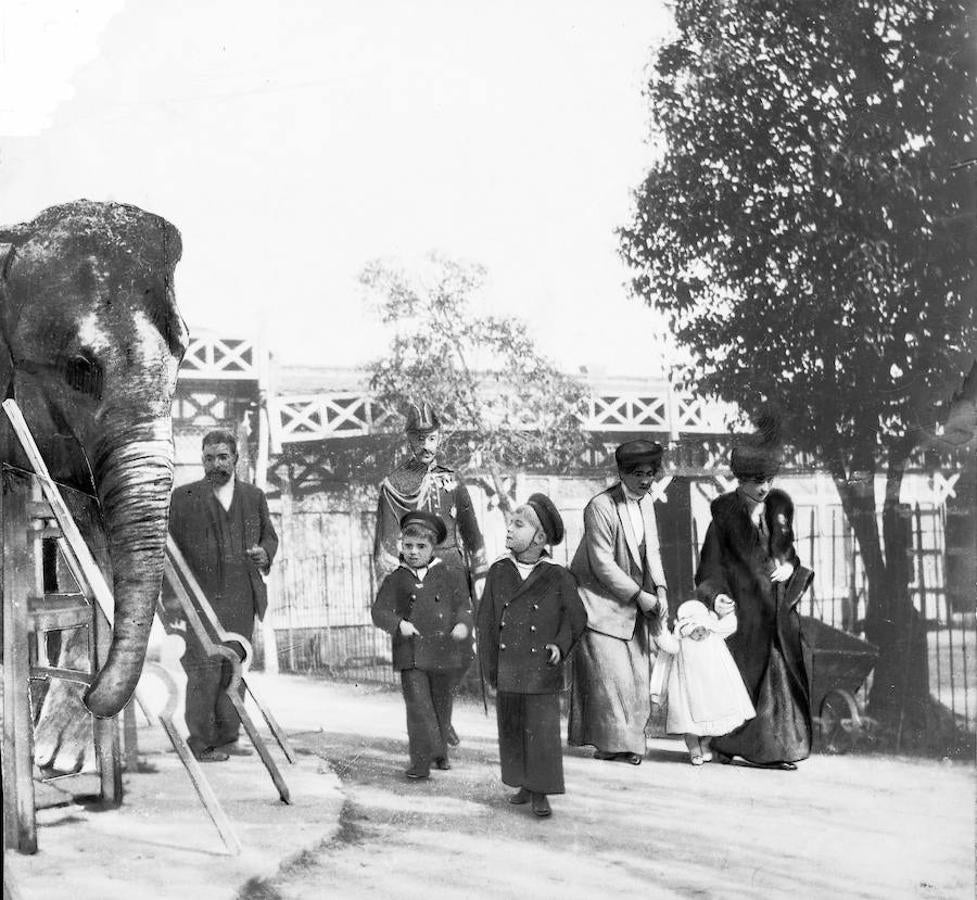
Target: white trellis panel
{"points": [[627, 412], [220, 359], [317, 417], [312, 417], [694, 415]]}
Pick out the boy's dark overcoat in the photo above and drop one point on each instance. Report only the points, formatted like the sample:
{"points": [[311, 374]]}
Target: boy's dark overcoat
{"points": [[434, 606], [517, 619]]}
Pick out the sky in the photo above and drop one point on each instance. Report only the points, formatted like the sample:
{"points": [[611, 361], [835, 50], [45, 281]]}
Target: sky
{"points": [[293, 142]]}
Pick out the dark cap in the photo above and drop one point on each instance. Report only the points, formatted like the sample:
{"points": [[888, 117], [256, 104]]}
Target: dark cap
{"points": [[549, 517], [632, 454], [422, 418], [425, 519]]}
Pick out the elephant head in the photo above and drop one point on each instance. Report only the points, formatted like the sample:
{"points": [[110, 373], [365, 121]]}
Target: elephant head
{"points": [[90, 344]]}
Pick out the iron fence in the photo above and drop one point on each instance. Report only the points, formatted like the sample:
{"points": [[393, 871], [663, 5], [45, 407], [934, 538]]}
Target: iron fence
{"points": [[322, 618], [321, 607]]}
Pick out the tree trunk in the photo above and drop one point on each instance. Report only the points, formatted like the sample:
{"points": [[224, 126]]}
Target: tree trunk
{"points": [[900, 686]]}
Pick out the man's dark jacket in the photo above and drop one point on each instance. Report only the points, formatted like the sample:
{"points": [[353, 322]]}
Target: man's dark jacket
{"points": [[195, 528]]}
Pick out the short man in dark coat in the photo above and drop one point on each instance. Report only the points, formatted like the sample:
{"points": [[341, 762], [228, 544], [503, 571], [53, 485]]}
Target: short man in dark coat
{"points": [[529, 619], [424, 605], [224, 530]]}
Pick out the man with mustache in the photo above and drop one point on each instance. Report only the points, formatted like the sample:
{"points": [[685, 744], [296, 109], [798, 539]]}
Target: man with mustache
{"points": [[223, 528], [422, 484]]}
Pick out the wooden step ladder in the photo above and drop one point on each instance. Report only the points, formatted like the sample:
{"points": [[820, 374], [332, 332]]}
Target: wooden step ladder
{"points": [[26, 611]]}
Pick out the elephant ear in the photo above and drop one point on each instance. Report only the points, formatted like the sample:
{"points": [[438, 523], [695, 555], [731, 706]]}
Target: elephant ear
{"points": [[6, 359]]}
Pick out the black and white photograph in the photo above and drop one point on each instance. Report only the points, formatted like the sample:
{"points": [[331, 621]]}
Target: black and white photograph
{"points": [[488, 450]]}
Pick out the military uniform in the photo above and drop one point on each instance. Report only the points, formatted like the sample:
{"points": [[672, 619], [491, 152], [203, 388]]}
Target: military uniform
{"points": [[438, 490]]}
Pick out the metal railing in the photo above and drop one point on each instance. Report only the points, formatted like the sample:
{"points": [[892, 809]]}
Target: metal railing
{"points": [[322, 607]]}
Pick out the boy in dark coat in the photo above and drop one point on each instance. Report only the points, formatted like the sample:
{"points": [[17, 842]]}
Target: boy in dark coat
{"points": [[529, 619], [425, 606]]}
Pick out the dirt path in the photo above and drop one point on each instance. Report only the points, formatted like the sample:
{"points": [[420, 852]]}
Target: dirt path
{"points": [[839, 827]]}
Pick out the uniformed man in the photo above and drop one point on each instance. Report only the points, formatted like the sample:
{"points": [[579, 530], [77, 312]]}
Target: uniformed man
{"points": [[422, 484]]}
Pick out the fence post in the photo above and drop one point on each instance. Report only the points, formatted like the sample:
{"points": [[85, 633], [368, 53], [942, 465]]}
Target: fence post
{"points": [[812, 562]]}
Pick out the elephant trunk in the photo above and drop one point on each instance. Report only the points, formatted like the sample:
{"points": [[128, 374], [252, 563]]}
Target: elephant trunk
{"points": [[134, 475]]}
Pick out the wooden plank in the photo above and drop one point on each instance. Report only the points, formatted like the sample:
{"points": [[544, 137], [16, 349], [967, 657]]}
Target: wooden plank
{"points": [[276, 729], [20, 823], [248, 723], [79, 558], [182, 590], [200, 784], [200, 603], [43, 672], [130, 741]]}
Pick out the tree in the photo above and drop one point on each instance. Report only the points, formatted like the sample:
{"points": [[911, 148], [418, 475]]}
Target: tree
{"points": [[506, 406], [809, 229]]}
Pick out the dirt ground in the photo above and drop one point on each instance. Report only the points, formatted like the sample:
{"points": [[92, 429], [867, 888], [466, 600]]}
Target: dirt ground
{"points": [[841, 826]]}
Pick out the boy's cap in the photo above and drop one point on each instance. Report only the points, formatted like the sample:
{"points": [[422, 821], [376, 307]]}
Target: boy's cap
{"points": [[427, 520], [421, 418], [636, 453], [549, 517]]}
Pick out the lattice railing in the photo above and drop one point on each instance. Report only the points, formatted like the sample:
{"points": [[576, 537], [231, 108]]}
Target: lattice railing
{"points": [[220, 359], [627, 412], [316, 417]]}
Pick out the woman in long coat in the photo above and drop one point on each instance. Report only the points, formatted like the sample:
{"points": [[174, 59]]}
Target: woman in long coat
{"points": [[737, 566], [622, 585]]}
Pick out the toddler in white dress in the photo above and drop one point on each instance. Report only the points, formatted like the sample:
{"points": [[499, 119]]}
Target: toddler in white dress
{"points": [[695, 671]]}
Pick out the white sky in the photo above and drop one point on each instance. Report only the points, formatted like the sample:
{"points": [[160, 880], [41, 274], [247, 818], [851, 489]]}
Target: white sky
{"points": [[292, 142]]}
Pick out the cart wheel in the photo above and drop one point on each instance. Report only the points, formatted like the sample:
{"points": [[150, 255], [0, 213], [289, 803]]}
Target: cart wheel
{"points": [[840, 721]]}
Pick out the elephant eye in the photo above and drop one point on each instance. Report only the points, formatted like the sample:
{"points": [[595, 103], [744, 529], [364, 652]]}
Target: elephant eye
{"points": [[84, 375]]}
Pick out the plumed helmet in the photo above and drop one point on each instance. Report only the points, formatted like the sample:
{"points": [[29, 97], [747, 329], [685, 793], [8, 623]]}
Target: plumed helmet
{"points": [[421, 418]]}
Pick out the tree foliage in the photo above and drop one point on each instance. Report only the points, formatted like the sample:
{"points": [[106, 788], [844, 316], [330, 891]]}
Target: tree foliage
{"points": [[809, 229], [505, 406]]}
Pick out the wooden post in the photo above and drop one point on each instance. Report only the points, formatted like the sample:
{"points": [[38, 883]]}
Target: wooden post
{"points": [[812, 562], [105, 732], [284, 546], [677, 539], [130, 742], [269, 643], [19, 820]]}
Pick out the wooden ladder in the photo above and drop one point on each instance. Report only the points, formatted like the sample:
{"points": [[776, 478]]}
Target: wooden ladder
{"points": [[25, 611]]}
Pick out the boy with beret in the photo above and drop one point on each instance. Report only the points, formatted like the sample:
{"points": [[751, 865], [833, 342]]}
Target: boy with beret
{"points": [[529, 619], [425, 606]]}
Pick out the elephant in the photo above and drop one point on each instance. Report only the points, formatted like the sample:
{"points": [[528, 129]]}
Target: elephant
{"points": [[90, 344]]}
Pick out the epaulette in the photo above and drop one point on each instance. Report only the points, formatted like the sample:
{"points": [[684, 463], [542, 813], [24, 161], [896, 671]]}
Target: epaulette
{"points": [[405, 480]]}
